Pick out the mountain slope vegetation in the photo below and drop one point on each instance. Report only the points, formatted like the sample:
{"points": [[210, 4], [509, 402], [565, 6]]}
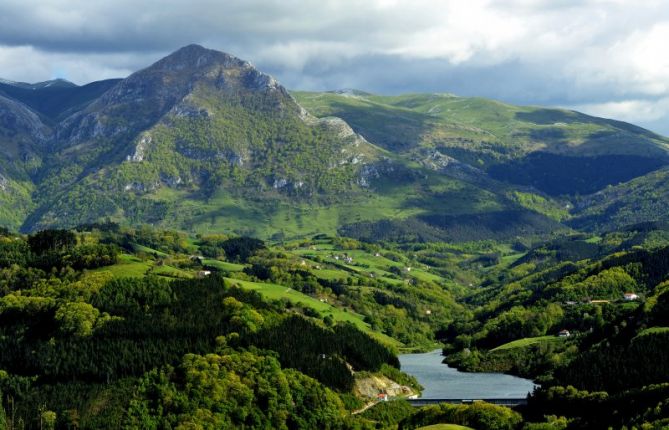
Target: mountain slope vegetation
{"points": [[202, 140], [520, 145]]}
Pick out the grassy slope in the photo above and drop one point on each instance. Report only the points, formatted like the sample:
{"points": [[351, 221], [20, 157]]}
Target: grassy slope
{"points": [[479, 123], [652, 331], [387, 199], [525, 342], [128, 266], [365, 263], [278, 292], [493, 136], [131, 266], [445, 427]]}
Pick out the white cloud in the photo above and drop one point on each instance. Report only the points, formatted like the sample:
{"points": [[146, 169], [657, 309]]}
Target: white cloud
{"points": [[634, 111], [75, 67]]}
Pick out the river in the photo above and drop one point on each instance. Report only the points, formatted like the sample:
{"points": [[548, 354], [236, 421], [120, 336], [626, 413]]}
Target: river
{"points": [[443, 382]]}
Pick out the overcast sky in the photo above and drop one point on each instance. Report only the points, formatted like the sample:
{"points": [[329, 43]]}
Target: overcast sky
{"points": [[603, 57]]}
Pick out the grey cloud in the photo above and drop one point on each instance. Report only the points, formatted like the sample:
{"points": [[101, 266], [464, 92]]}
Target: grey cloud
{"points": [[520, 51]]}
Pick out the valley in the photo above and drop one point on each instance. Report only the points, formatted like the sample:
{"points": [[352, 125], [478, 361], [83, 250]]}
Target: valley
{"points": [[196, 246]]}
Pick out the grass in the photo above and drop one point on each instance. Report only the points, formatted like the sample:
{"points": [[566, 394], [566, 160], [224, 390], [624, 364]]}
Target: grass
{"points": [[128, 266], [224, 265], [445, 427], [276, 292], [171, 272], [364, 264], [146, 249], [525, 342], [329, 274], [281, 219], [652, 330]]}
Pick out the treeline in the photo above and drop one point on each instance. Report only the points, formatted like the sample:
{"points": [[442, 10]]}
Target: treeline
{"points": [[49, 249], [435, 227], [646, 407], [234, 389], [324, 353], [478, 415]]}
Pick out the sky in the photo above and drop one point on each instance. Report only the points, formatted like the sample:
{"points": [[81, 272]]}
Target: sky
{"points": [[603, 57]]}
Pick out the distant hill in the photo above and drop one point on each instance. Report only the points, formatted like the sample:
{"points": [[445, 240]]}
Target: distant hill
{"points": [[54, 99]]}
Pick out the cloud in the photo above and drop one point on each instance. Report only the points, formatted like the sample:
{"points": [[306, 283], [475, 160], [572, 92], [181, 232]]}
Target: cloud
{"points": [[630, 110], [603, 56]]}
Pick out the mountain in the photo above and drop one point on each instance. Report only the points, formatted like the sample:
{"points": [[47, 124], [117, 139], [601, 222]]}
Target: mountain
{"points": [[203, 141], [54, 99], [54, 83], [193, 123]]}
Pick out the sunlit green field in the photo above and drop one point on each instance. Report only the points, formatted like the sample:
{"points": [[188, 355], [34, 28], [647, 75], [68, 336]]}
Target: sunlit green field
{"points": [[525, 342], [276, 292]]}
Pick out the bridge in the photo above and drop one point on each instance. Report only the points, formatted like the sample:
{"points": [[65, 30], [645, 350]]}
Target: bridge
{"points": [[498, 401]]}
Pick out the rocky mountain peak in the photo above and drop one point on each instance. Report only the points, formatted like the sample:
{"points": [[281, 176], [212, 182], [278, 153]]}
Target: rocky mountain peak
{"points": [[142, 99], [195, 57]]}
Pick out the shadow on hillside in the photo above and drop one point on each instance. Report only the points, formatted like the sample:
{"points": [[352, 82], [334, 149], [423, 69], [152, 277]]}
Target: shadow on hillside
{"points": [[389, 128], [566, 175]]}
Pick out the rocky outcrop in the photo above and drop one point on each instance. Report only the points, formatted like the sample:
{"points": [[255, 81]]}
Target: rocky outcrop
{"points": [[371, 386]]}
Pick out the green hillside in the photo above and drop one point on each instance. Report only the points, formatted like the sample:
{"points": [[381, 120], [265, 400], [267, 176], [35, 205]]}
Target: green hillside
{"points": [[559, 152], [202, 141], [112, 319], [641, 200]]}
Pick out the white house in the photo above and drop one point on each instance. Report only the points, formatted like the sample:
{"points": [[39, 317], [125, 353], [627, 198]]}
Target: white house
{"points": [[630, 296]]}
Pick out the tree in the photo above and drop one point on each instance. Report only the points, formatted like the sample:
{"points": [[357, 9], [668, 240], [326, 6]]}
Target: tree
{"points": [[3, 416], [47, 420], [51, 240], [241, 248], [77, 318]]}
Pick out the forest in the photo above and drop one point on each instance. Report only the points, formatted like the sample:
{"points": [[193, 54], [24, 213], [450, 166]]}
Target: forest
{"points": [[107, 326]]}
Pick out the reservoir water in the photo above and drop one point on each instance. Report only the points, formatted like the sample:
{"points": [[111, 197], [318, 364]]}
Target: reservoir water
{"points": [[443, 382]]}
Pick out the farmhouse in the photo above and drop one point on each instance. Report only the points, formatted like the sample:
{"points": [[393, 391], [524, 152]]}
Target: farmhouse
{"points": [[630, 296], [203, 273], [564, 333]]}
